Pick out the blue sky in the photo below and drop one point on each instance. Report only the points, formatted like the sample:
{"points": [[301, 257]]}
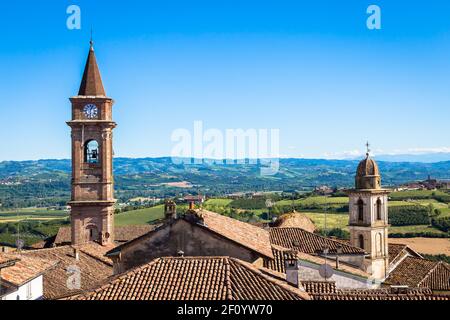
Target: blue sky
{"points": [[314, 71]]}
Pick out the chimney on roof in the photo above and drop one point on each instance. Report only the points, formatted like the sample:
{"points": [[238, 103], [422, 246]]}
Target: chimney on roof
{"points": [[170, 210], [76, 254], [338, 252], [292, 267]]}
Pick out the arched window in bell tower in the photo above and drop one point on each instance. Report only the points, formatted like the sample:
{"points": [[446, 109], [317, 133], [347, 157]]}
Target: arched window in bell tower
{"points": [[361, 241], [360, 205], [379, 208], [91, 152]]}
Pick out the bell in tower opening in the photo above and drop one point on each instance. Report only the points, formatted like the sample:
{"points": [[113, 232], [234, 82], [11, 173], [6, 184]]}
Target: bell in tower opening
{"points": [[91, 152], [92, 202]]}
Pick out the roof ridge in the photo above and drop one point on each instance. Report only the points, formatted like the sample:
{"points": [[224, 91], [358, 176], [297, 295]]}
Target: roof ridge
{"points": [[228, 282], [432, 269], [318, 236], [284, 286], [95, 257]]}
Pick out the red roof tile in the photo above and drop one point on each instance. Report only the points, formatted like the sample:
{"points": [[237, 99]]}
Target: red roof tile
{"points": [[25, 268], [308, 242], [94, 268], [194, 278], [417, 272]]}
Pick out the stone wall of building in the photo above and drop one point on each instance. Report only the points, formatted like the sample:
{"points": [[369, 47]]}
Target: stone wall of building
{"points": [[170, 240]]}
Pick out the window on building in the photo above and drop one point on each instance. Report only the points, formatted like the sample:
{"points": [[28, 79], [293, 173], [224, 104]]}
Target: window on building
{"points": [[379, 208], [91, 152], [360, 210], [361, 241]]}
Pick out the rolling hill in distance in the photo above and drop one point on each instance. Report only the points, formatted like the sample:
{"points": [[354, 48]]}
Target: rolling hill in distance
{"points": [[47, 182]]}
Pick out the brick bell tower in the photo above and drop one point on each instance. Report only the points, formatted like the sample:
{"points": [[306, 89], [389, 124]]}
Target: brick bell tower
{"points": [[368, 223], [92, 203]]}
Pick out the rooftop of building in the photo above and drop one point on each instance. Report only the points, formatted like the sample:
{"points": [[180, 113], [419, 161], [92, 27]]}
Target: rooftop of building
{"points": [[194, 278]]}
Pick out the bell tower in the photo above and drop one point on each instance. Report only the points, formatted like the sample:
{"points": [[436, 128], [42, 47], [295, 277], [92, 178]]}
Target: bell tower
{"points": [[92, 202], [368, 221]]}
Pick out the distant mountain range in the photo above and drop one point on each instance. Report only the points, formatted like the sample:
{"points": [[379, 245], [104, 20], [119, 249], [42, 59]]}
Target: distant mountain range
{"points": [[47, 182], [292, 172], [425, 157]]}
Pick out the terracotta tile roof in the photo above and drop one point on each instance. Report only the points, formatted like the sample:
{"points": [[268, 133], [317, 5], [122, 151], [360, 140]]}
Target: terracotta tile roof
{"points": [[399, 251], [7, 260], [121, 233], [379, 294], [319, 287], [417, 272], [194, 278], [395, 250], [25, 268], [280, 254], [307, 242], [244, 233], [93, 266]]}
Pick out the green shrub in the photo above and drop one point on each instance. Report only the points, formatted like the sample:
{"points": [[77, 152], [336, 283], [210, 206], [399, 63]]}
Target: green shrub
{"points": [[408, 215], [442, 224], [335, 232]]}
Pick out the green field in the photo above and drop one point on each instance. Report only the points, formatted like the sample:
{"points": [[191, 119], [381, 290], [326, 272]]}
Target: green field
{"points": [[416, 194], [32, 214], [43, 222], [321, 200], [335, 220], [141, 216], [415, 229], [218, 202]]}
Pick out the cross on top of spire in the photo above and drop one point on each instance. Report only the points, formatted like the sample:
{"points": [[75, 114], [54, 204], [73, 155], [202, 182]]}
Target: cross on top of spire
{"points": [[368, 149], [92, 40]]}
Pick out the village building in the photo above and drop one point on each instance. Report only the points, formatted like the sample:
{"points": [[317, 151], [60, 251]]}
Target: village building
{"points": [[21, 277]]}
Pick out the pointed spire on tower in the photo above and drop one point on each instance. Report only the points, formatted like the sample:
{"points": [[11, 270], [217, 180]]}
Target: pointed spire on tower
{"points": [[91, 84]]}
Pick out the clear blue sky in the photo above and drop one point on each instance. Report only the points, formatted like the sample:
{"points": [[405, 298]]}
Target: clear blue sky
{"points": [[312, 70]]}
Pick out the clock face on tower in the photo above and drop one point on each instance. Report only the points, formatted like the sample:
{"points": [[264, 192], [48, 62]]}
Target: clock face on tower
{"points": [[90, 111]]}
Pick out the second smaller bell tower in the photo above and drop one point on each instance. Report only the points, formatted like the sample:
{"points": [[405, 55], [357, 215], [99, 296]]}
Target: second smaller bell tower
{"points": [[368, 220]]}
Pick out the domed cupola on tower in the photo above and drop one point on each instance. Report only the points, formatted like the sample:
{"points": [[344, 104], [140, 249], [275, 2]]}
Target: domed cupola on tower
{"points": [[368, 174], [368, 217]]}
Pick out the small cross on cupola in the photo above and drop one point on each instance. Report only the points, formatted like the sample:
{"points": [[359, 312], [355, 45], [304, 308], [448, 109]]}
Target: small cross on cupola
{"points": [[368, 149]]}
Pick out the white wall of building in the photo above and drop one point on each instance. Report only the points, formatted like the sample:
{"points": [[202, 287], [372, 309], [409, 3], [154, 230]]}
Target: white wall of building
{"points": [[310, 272], [32, 290]]}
